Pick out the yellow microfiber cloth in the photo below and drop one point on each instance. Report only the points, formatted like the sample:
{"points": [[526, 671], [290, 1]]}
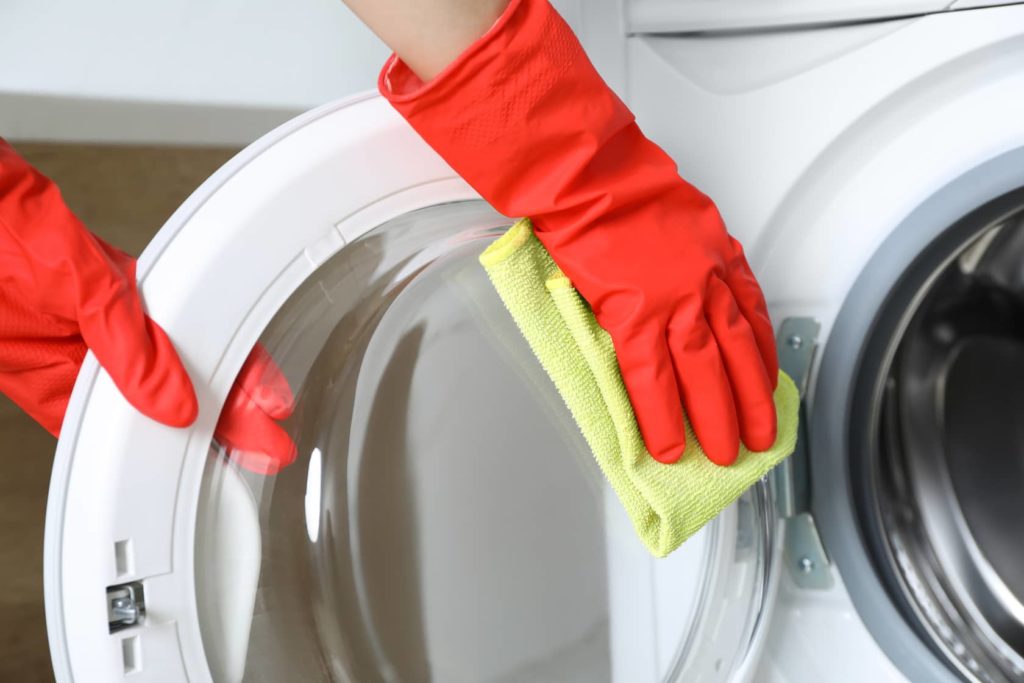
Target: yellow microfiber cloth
{"points": [[666, 503]]}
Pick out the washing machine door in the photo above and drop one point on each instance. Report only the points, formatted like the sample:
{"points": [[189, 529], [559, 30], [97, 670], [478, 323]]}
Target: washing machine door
{"points": [[444, 519]]}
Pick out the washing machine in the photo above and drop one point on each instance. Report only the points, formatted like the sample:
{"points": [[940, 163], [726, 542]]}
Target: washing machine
{"points": [[444, 520]]}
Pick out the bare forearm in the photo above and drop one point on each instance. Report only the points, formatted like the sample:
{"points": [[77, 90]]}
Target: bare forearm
{"points": [[428, 34]]}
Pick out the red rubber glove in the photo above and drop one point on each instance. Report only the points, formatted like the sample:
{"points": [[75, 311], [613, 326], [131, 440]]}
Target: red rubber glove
{"points": [[248, 426], [64, 291], [524, 117]]}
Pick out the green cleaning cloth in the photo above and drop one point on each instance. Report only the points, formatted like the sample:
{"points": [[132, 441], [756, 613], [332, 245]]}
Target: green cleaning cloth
{"points": [[666, 503]]}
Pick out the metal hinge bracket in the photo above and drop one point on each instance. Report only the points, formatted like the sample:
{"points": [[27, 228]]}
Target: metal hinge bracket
{"points": [[805, 555]]}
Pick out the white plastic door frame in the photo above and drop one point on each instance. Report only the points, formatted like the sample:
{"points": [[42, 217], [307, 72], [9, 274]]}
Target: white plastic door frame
{"points": [[124, 492]]}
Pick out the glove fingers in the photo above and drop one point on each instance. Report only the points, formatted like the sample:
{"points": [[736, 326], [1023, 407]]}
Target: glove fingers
{"points": [[132, 348], [650, 380], [751, 389], [750, 300], [61, 270], [705, 388], [248, 424], [253, 438], [141, 360], [266, 385]]}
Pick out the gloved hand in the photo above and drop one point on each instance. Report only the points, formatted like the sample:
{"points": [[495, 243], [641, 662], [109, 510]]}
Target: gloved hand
{"points": [[248, 426], [523, 116], [64, 291]]}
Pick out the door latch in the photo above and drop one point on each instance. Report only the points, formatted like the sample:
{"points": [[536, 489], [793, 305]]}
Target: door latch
{"points": [[126, 606]]}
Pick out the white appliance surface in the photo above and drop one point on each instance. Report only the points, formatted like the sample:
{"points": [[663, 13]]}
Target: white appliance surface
{"points": [[818, 145]]}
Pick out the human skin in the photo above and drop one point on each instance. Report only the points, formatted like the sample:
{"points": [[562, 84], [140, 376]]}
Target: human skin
{"points": [[428, 34]]}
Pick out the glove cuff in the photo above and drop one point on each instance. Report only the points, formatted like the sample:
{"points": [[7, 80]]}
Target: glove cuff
{"points": [[523, 116], [401, 86]]}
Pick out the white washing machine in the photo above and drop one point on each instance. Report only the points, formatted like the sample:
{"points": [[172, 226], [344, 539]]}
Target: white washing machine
{"points": [[444, 520]]}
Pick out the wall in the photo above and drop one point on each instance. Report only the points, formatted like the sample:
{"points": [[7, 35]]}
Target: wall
{"points": [[207, 71], [213, 72]]}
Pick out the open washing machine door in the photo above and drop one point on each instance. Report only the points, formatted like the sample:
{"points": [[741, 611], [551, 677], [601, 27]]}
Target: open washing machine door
{"points": [[444, 519]]}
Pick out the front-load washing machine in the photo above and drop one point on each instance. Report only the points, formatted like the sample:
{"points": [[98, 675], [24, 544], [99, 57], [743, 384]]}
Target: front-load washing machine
{"points": [[444, 520]]}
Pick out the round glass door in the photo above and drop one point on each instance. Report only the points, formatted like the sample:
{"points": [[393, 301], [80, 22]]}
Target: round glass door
{"points": [[444, 520]]}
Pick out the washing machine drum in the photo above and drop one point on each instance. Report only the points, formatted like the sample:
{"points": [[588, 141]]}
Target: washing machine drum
{"points": [[444, 519]]}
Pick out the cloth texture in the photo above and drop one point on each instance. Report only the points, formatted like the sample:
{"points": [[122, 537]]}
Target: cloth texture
{"points": [[666, 502]]}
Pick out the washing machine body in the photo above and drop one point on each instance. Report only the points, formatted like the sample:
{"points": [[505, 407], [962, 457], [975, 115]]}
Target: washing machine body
{"points": [[444, 520], [871, 162]]}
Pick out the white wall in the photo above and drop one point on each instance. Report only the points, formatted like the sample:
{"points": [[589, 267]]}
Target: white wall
{"points": [[177, 71], [207, 71]]}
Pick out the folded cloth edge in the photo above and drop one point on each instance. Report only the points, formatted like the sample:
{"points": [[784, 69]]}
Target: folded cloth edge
{"points": [[666, 503]]}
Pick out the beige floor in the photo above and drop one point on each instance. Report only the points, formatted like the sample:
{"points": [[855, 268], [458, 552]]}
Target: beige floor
{"points": [[124, 194]]}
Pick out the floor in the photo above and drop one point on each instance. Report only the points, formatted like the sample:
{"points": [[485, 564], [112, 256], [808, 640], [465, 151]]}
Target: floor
{"points": [[124, 194]]}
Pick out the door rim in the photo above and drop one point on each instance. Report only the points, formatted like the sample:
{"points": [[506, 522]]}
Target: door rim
{"points": [[99, 422], [847, 532], [419, 179]]}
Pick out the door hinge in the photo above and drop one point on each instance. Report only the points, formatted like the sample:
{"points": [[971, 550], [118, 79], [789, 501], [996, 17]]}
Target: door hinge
{"points": [[804, 553]]}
